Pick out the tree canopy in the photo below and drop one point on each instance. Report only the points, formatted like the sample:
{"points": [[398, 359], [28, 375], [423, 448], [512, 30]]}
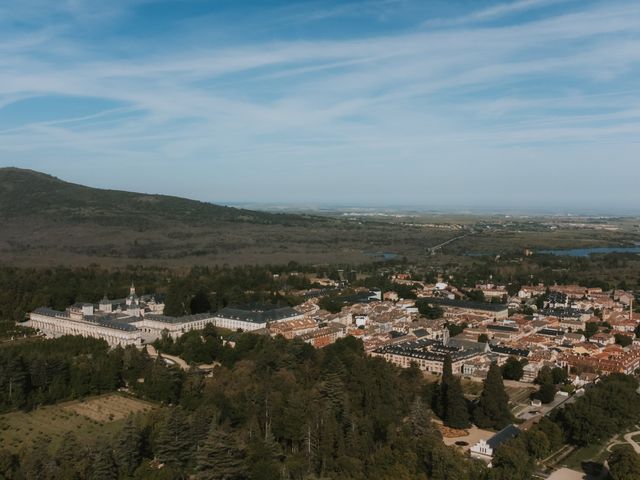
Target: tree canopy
{"points": [[492, 410]]}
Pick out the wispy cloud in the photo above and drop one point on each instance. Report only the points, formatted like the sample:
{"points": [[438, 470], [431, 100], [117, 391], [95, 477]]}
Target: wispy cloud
{"points": [[463, 92], [496, 11], [305, 12]]}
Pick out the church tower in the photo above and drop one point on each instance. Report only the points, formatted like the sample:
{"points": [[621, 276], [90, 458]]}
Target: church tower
{"points": [[132, 299]]}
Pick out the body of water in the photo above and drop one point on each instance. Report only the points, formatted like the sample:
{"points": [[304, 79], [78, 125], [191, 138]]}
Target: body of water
{"points": [[384, 255], [585, 252]]}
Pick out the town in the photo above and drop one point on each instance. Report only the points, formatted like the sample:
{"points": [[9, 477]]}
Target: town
{"points": [[551, 342], [319, 240]]}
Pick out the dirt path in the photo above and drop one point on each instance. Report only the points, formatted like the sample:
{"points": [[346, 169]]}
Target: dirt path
{"points": [[151, 350], [629, 439]]}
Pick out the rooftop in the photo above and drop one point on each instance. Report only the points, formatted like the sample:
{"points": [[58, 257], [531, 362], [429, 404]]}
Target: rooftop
{"points": [[174, 320], [507, 433], [257, 314], [489, 307]]}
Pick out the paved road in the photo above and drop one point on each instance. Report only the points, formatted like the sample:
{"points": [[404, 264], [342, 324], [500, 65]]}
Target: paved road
{"points": [[440, 245]]}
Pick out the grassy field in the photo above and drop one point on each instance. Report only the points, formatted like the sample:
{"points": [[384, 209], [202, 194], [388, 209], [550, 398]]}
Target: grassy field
{"points": [[88, 418]]}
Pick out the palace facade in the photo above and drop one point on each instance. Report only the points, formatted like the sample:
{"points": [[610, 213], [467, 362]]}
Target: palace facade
{"points": [[138, 320]]}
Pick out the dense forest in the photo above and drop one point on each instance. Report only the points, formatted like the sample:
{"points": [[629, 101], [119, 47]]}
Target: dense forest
{"points": [[43, 372], [275, 409], [279, 409]]}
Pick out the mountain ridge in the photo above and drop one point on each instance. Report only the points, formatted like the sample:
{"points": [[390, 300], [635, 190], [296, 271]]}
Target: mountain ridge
{"points": [[27, 193]]}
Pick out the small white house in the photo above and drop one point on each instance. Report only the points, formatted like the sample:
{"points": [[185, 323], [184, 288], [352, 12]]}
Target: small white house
{"points": [[485, 449]]}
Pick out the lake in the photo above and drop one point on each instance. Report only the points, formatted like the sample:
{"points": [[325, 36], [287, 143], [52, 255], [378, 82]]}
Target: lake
{"points": [[384, 255], [585, 252]]}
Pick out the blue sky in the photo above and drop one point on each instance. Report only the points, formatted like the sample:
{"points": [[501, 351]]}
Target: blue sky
{"points": [[460, 103]]}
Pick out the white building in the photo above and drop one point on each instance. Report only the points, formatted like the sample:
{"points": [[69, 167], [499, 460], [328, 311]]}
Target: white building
{"points": [[128, 321], [485, 449], [54, 323], [246, 319], [115, 329]]}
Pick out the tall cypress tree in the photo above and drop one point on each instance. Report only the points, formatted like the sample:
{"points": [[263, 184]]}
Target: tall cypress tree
{"points": [[453, 405], [492, 410], [457, 413]]}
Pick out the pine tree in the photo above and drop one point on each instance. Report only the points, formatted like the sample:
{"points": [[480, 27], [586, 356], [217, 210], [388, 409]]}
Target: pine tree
{"points": [[333, 388], [103, 466], [221, 457], [201, 423], [262, 458], [172, 442], [425, 436], [18, 384], [128, 444], [419, 419], [71, 457], [37, 464], [492, 410]]}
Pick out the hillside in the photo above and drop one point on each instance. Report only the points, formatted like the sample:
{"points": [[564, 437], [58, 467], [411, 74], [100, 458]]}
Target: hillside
{"points": [[47, 221], [26, 193]]}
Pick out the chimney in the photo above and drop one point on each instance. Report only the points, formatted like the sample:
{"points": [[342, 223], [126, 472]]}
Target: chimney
{"points": [[631, 309]]}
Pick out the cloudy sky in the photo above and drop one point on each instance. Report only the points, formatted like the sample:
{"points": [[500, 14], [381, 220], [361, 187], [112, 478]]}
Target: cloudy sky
{"points": [[440, 103]]}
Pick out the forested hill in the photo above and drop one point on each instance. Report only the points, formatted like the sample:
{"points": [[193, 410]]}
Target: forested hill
{"points": [[27, 193], [49, 222]]}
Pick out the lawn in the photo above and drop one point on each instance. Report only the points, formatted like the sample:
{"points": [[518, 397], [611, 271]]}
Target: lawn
{"points": [[596, 453], [88, 418]]}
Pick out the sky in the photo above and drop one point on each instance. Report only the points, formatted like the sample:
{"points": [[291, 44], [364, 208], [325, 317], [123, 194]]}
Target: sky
{"points": [[513, 104]]}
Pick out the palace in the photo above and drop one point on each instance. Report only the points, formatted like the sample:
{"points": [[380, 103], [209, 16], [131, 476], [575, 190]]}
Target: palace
{"points": [[138, 320], [127, 321]]}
